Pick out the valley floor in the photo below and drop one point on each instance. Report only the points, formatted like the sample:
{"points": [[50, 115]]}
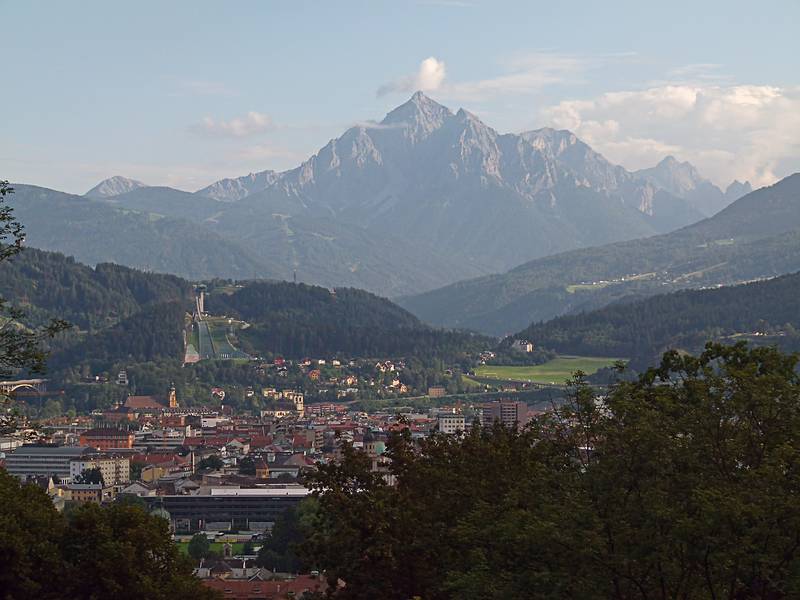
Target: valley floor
{"points": [[553, 372]]}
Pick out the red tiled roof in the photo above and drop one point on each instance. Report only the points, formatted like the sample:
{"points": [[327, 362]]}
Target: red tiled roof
{"points": [[265, 589], [159, 459], [143, 402], [260, 441]]}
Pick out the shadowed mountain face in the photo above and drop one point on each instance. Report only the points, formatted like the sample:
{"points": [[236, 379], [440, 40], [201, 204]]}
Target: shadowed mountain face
{"points": [[95, 232], [755, 237], [423, 198]]}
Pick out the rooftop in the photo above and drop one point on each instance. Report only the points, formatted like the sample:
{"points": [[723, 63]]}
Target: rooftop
{"points": [[288, 491], [53, 451]]}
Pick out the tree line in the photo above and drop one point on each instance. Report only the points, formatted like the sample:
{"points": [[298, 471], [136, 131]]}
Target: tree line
{"points": [[642, 329], [680, 484]]}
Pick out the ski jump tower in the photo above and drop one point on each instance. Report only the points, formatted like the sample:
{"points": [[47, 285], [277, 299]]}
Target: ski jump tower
{"points": [[200, 296]]}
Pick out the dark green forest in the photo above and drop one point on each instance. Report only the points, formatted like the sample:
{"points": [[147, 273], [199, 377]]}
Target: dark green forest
{"points": [[642, 329], [49, 284], [297, 320]]}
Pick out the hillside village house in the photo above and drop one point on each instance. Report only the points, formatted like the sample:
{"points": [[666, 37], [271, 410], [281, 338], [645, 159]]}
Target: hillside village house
{"points": [[523, 346]]}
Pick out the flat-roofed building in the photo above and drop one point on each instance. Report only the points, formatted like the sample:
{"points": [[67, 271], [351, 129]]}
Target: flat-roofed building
{"points": [[507, 412], [437, 391], [32, 461], [451, 424], [228, 507]]}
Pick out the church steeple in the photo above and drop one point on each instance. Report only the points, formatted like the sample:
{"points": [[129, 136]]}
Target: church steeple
{"points": [[173, 398]]}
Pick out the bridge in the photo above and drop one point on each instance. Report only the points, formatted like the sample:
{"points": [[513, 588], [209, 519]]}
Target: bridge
{"points": [[37, 385]]}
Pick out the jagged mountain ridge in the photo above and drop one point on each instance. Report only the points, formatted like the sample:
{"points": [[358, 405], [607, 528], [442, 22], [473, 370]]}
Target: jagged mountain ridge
{"points": [[231, 190], [448, 181], [684, 181], [423, 198]]}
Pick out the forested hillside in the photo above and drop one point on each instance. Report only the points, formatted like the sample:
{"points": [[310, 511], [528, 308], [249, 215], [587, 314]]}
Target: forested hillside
{"points": [[50, 285], [116, 313], [154, 333], [122, 316], [763, 311], [296, 320], [757, 236]]}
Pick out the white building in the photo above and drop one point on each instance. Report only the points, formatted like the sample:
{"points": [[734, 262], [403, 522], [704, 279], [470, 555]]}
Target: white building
{"points": [[115, 470], [522, 346], [450, 424]]}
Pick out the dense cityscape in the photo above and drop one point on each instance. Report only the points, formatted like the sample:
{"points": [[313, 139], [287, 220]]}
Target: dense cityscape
{"points": [[422, 300]]}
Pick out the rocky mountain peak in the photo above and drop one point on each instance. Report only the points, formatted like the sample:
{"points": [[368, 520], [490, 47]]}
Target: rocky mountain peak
{"points": [[676, 177], [420, 116], [737, 189], [114, 186]]}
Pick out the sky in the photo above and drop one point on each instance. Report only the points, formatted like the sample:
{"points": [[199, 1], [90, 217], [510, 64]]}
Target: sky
{"points": [[183, 93]]}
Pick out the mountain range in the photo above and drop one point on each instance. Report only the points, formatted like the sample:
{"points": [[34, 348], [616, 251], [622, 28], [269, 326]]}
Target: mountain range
{"points": [[762, 312], [756, 237], [423, 198]]}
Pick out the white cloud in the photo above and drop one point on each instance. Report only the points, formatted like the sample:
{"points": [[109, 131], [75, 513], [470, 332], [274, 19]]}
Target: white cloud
{"points": [[376, 125], [526, 74], [728, 132], [429, 77], [250, 124]]}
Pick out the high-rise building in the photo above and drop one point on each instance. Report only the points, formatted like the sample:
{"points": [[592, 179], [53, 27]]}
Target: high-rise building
{"points": [[509, 412]]}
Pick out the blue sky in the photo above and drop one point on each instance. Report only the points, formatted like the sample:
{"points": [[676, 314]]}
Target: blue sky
{"points": [[183, 93]]}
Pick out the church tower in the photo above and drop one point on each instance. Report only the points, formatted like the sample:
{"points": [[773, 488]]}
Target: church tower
{"points": [[173, 398]]}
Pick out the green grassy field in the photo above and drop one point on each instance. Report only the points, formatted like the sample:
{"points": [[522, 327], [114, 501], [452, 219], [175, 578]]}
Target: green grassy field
{"points": [[217, 547], [579, 287], [217, 339], [555, 371]]}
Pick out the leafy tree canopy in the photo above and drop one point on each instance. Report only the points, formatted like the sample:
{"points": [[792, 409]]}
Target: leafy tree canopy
{"points": [[117, 551], [681, 484]]}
